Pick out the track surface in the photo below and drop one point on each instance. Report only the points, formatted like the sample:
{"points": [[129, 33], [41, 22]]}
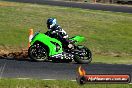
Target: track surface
{"points": [[49, 70], [80, 5]]}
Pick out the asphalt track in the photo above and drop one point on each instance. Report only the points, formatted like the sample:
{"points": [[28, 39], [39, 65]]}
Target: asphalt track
{"points": [[80, 5], [61, 71]]}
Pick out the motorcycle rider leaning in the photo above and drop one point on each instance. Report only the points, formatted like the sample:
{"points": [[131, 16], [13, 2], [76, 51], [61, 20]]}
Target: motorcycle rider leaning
{"points": [[55, 31]]}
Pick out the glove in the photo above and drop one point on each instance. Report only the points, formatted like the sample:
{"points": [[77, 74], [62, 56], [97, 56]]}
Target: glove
{"points": [[65, 36]]}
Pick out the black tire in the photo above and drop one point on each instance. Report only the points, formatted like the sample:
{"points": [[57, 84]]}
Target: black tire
{"points": [[118, 2], [129, 2], [38, 52], [80, 59]]}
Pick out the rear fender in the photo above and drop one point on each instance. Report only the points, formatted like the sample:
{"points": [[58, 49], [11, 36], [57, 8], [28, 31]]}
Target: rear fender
{"points": [[78, 39]]}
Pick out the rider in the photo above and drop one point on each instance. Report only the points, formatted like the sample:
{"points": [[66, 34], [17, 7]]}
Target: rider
{"points": [[56, 31]]}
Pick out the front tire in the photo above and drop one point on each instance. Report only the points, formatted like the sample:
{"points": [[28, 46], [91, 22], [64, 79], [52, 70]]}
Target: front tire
{"points": [[85, 58], [37, 52]]}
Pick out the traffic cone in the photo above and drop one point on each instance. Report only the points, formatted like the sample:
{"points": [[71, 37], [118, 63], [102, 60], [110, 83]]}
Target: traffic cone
{"points": [[94, 1], [30, 36]]}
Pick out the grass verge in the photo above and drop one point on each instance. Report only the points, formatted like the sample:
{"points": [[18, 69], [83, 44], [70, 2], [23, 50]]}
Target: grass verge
{"points": [[17, 83]]}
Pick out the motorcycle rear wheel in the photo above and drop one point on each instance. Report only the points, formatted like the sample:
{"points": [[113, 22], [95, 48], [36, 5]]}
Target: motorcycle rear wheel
{"points": [[85, 58]]}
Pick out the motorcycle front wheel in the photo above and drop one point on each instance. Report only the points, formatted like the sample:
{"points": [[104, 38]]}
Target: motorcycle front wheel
{"points": [[37, 52]]}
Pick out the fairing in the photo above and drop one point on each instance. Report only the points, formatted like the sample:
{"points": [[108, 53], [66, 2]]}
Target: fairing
{"points": [[49, 42]]}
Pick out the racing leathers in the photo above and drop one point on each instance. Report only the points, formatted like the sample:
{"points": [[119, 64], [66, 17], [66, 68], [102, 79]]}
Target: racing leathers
{"points": [[58, 33]]}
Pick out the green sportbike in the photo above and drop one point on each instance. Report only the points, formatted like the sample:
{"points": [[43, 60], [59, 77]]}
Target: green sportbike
{"points": [[45, 48]]}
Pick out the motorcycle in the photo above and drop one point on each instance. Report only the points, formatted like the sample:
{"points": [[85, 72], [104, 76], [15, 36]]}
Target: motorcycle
{"points": [[44, 48]]}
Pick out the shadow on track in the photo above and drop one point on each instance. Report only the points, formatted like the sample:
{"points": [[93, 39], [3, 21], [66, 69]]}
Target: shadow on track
{"points": [[27, 59]]}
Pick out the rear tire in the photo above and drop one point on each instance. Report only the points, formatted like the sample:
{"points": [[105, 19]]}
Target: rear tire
{"points": [[129, 2], [38, 52], [80, 59]]}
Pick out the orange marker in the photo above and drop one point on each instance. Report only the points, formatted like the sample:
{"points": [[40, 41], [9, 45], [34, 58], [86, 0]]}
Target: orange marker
{"points": [[94, 1], [30, 36]]}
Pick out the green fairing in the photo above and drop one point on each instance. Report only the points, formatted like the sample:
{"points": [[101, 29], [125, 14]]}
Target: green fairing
{"points": [[47, 41], [77, 39]]}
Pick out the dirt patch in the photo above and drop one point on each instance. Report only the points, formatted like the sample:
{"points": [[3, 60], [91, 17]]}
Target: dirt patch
{"points": [[21, 54], [7, 4]]}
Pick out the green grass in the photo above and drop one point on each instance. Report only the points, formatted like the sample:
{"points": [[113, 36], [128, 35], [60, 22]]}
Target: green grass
{"points": [[105, 32], [15, 83], [112, 59]]}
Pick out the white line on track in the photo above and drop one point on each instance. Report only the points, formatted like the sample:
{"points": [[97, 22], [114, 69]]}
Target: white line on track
{"points": [[23, 78], [40, 79], [72, 80], [49, 79], [56, 79], [2, 70]]}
